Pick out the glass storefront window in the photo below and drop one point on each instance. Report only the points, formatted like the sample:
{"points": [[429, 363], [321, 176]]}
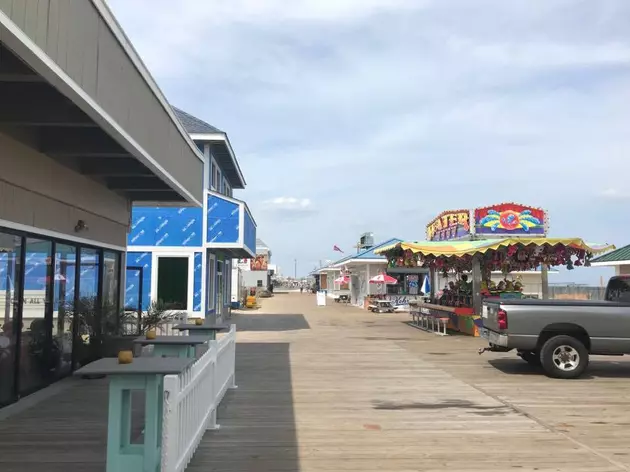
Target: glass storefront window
{"points": [[64, 279], [10, 279], [111, 299], [43, 329], [38, 358], [88, 312]]}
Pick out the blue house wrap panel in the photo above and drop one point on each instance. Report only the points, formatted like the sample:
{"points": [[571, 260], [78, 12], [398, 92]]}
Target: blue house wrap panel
{"points": [[166, 227], [144, 260], [249, 232], [197, 282], [223, 220]]}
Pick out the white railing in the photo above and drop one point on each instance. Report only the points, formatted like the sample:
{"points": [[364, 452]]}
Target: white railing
{"points": [[191, 400]]}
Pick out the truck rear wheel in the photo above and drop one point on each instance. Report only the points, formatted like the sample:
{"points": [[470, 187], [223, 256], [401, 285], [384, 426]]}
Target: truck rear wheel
{"points": [[564, 357]]}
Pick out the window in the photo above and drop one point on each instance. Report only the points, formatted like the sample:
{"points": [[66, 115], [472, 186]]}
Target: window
{"points": [[49, 290], [226, 188], [619, 289], [216, 175], [216, 179], [227, 277], [211, 277], [211, 174], [10, 280], [259, 283]]}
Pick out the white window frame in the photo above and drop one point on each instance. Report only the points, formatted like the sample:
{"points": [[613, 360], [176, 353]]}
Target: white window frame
{"points": [[211, 280], [215, 175], [226, 188], [219, 175]]}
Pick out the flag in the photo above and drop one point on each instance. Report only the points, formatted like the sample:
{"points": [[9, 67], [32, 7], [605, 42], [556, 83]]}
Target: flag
{"points": [[426, 286], [336, 248]]}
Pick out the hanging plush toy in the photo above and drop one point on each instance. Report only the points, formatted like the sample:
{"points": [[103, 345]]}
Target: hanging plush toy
{"points": [[587, 259]]}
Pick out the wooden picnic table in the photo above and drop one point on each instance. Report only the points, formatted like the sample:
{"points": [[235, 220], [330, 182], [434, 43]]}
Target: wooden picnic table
{"points": [[172, 346], [144, 373], [208, 330]]}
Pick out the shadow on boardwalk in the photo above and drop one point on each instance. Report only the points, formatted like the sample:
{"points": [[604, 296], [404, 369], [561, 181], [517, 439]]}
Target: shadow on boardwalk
{"points": [[269, 322], [258, 431], [64, 431]]}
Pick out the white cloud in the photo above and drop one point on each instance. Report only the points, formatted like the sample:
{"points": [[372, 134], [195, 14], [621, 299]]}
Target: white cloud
{"points": [[616, 194], [289, 204]]}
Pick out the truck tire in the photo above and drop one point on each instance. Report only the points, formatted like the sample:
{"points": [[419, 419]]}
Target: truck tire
{"points": [[564, 357], [531, 357]]}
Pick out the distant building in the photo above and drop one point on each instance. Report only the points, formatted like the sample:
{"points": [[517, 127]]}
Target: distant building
{"points": [[252, 273], [619, 259]]}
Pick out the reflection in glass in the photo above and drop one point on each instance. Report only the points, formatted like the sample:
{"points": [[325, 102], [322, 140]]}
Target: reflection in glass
{"points": [[88, 312], [111, 280], [10, 248], [64, 277], [37, 356]]}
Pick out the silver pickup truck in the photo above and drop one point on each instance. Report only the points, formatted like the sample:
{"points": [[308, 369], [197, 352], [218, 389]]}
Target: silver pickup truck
{"points": [[560, 335]]}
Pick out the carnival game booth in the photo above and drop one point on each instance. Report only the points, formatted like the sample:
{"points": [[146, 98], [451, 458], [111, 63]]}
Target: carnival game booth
{"points": [[459, 304]]}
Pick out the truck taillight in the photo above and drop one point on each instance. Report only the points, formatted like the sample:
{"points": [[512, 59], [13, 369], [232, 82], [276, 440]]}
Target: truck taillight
{"points": [[502, 319]]}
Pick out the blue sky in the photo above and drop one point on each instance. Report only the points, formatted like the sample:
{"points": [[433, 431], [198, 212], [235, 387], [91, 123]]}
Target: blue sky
{"points": [[375, 115]]}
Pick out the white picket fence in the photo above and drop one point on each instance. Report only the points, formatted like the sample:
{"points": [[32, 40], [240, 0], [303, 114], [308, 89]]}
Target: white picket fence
{"points": [[191, 400]]}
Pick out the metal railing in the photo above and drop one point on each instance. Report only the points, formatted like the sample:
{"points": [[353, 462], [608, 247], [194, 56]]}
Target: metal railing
{"points": [[567, 291], [131, 327], [191, 400]]}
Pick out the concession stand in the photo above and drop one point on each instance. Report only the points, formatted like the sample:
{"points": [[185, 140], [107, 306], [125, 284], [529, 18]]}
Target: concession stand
{"points": [[471, 245]]}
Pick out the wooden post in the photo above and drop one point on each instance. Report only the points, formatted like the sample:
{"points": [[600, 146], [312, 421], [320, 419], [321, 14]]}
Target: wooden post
{"points": [[476, 283], [544, 279], [433, 282]]}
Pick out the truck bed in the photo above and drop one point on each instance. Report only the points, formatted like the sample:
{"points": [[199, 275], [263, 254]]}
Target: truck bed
{"points": [[535, 302]]}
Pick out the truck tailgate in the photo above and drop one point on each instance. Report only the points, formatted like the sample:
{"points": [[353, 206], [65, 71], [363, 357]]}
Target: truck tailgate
{"points": [[489, 315]]}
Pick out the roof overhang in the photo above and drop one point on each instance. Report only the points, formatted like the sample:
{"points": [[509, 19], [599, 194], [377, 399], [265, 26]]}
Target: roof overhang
{"points": [[610, 263], [361, 261], [222, 151], [45, 108], [326, 269]]}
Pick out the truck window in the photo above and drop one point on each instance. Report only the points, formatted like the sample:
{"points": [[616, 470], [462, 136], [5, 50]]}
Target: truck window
{"points": [[618, 290]]}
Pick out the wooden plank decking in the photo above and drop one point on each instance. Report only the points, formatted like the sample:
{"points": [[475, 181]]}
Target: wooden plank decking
{"points": [[339, 389]]}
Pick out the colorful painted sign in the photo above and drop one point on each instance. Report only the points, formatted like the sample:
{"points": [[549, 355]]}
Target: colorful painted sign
{"points": [[259, 262], [449, 225], [510, 219]]}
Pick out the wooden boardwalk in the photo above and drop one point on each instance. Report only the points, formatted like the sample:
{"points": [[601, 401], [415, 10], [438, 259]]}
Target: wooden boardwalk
{"points": [[339, 389]]}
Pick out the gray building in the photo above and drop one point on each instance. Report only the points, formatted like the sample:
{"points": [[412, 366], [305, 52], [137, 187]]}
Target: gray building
{"points": [[85, 132]]}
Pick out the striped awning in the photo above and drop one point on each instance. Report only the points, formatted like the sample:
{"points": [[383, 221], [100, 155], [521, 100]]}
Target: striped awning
{"points": [[480, 246]]}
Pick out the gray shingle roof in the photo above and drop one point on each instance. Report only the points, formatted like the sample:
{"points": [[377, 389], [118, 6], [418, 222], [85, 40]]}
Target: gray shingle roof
{"points": [[260, 243], [194, 125]]}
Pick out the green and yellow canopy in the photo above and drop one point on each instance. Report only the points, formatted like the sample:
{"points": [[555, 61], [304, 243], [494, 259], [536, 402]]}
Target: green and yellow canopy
{"points": [[481, 246]]}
